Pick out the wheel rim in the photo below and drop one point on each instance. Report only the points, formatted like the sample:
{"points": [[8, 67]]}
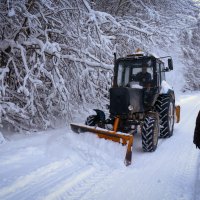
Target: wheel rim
{"points": [[171, 116]]}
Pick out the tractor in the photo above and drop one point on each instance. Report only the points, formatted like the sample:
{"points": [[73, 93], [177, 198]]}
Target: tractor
{"points": [[140, 99]]}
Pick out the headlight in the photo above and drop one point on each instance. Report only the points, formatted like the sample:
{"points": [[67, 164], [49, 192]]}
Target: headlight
{"points": [[130, 107]]}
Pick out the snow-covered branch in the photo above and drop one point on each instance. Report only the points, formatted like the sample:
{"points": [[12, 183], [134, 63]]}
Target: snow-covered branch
{"points": [[57, 56]]}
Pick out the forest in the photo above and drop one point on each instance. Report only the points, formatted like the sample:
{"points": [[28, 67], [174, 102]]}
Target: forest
{"points": [[56, 56]]}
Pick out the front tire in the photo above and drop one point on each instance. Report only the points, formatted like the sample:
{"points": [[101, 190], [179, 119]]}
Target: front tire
{"points": [[92, 120], [150, 132]]}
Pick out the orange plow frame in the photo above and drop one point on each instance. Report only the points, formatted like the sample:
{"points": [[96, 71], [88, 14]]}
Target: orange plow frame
{"points": [[177, 112], [124, 139]]}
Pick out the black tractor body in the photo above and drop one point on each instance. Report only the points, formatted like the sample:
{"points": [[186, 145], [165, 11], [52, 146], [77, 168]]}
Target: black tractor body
{"points": [[137, 99]]}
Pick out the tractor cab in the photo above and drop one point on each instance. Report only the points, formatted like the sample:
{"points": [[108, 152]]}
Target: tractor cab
{"points": [[140, 70], [137, 83], [135, 73]]}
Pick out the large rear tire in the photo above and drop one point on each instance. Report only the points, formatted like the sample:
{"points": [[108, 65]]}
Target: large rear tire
{"points": [[165, 107], [150, 132]]}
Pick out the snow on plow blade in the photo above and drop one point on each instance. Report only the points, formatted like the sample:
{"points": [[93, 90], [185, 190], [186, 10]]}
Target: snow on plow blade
{"points": [[124, 139]]}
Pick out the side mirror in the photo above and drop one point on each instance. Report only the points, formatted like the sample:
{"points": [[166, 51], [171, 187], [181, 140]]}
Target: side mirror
{"points": [[170, 64]]}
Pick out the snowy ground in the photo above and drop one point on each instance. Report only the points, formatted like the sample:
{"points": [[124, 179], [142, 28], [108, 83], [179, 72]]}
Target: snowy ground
{"points": [[59, 164]]}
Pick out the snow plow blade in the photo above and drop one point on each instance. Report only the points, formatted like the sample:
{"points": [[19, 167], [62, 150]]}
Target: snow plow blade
{"points": [[124, 139]]}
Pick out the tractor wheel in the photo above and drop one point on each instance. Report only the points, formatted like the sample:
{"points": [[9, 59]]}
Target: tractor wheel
{"points": [[150, 132], [96, 120], [165, 107], [91, 120]]}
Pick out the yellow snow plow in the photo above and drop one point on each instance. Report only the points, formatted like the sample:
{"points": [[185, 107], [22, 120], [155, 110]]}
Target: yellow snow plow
{"points": [[124, 139]]}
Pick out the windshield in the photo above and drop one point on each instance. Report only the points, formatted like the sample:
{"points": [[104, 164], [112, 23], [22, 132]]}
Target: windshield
{"points": [[137, 72]]}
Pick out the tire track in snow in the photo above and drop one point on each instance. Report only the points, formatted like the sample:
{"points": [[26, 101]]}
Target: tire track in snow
{"points": [[11, 164], [32, 178], [99, 185], [85, 185], [181, 183], [41, 189], [62, 190]]}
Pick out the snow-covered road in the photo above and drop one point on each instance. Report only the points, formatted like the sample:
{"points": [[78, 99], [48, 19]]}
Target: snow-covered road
{"points": [[59, 164]]}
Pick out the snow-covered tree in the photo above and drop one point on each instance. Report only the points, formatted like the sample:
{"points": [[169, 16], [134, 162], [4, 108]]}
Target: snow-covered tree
{"points": [[56, 57], [51, 61]]}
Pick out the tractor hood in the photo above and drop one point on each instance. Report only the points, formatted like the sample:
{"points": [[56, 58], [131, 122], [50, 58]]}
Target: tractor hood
{"points": [[122, 97]]}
